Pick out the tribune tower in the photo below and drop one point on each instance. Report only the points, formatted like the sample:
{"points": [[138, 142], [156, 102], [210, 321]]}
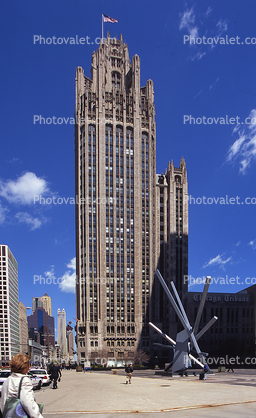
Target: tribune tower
{"points": [[117, 237]]}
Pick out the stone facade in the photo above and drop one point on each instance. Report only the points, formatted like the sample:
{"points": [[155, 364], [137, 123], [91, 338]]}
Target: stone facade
{"points": [[42, 302], [172, 250], [23, 328], [118, 215]]}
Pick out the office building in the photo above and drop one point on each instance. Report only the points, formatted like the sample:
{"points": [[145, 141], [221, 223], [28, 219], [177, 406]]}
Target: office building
{"points": [[42, 302], [23, 328], [128, 219], [62, 337], [70, 341], [9, 305], [41, 327], [233, 334]]}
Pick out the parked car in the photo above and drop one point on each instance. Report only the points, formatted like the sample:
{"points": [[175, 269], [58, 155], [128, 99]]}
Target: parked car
{"points": [[42, 373], [4, 374], [35, 380]]}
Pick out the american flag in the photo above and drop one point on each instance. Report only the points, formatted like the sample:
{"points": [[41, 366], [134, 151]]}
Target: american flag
{"points": [[109, 19]]}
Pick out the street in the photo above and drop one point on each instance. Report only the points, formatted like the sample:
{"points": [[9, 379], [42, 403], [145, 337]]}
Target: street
{"points": [[105, 394]]}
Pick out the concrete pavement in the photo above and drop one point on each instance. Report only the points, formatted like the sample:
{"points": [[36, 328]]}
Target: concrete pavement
{"points": [[229, 411], [106, 394]]}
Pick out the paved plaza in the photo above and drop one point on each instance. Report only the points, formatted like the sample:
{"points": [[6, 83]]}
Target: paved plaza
{"points": [[104, 394]]}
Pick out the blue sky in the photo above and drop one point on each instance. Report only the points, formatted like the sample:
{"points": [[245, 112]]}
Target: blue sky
{"points": [[207, 79]]}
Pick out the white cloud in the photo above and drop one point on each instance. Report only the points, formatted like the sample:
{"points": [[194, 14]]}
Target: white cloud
{"points": [[72, 264], [217, 261], [191, 23], [208, 11], [14, 160], [244, 148], [68, 280], [187, 19], [23, 190], [24, 217], [50, 275], [187, 22], [222, 26], [253, 244], [2, 214], [212, 86], [198, 56]]}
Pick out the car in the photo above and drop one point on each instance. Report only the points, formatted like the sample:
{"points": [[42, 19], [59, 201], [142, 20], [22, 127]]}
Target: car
{"points": [[4, 374], [42, 373], [35, 380]]}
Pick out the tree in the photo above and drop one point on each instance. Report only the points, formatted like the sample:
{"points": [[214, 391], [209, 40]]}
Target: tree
{"points": [[141, 357]]}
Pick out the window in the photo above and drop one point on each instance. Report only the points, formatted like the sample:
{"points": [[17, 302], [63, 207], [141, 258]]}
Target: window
{"points": [[116, 80]]}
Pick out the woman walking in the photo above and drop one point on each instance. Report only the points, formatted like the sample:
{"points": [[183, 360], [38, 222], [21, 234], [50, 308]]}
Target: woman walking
{"points": [[19, 367]]}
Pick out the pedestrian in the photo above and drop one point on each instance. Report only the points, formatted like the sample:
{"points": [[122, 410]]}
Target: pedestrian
{"points": [[55, 375], [206, 370], [129, 370], [49, 371], [19, 367], [230, 368]]}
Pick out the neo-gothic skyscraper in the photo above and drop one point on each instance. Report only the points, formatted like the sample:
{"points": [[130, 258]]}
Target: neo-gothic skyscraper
{"points": [[118, 215]]}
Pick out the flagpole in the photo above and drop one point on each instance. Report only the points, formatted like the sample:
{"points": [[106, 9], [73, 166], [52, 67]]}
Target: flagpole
{"points": [[102, 27]]}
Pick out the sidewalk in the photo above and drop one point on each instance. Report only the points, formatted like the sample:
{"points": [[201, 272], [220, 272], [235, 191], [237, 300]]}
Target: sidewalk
{"points": [[101, 392]]}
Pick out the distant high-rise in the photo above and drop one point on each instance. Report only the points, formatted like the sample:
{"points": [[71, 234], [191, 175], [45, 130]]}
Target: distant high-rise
{"points": [[62, 337], [70, 340], [42, 302], [43, 324], [124, 213], [9, 304], [23, 328]]}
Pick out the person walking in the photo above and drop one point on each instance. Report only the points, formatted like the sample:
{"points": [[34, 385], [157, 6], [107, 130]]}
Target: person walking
{"points": [[206, 370], [129, 371], [230, 367], [55, 375], [19, 367]]}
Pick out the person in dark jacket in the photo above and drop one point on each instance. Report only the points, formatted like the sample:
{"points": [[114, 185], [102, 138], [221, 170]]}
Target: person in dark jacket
{"points": [[206, 369], [129, 370], [55, 374]]}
